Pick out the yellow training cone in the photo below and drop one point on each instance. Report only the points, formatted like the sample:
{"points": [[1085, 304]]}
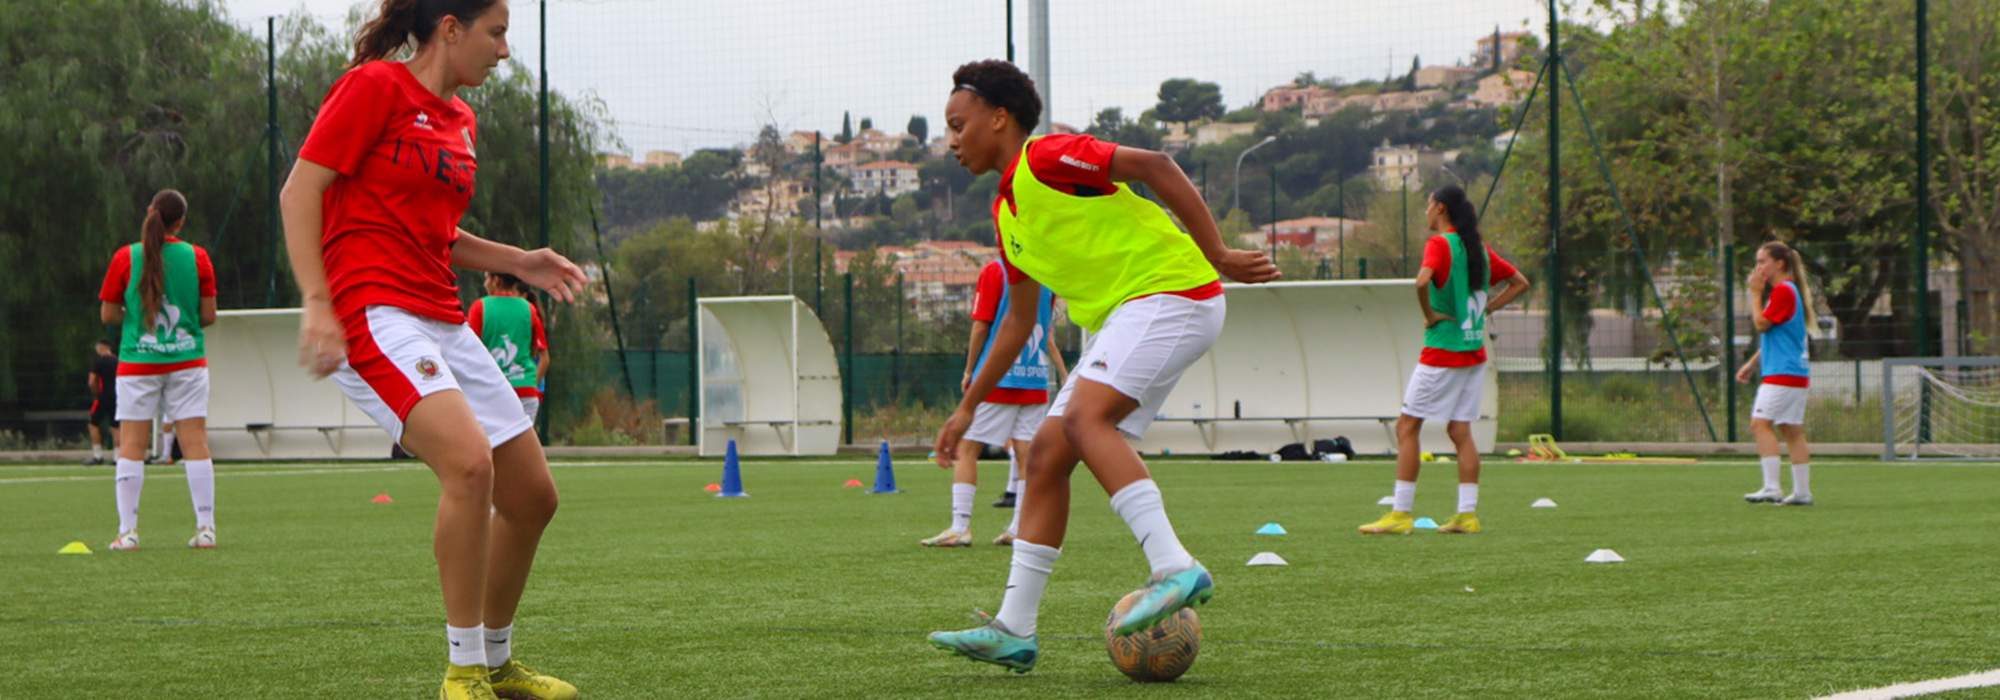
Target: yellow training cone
{"points": [[74, 548]]}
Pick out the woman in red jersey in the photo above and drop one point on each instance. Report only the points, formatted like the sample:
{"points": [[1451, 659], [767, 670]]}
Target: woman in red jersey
{"points": [[371, 222]]}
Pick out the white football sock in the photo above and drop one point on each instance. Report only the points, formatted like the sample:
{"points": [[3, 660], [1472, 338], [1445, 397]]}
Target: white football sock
{"points": [[961, 506], [1146, 513], [131, 481], [1013, 472], [468, 645], [1026, 579], [1770, 465], [201, 486], [167, 448], [1468, 497], [1802, 480], [1020, 504], [97, 451], [499, 646], [1406, 496]]}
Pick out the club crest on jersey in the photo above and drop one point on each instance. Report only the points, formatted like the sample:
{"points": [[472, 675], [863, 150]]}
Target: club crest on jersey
{"points": [[428, 368], [423, 121], [467, 135], [1099, 363]]}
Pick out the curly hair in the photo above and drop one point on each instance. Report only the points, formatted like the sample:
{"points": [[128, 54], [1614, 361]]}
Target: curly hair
{"points": [[1004, 86]]}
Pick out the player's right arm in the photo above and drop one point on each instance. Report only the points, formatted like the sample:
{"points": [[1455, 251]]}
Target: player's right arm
{"points": [[96, 385], [1023, 297], [1159, 172], [322, 345]]}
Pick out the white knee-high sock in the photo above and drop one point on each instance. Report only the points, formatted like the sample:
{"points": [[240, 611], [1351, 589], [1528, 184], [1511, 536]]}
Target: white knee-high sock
{"points": [[468, 645], [499, 646], [961, 506], [167, 448], [1770, 465], [1405, 496], [1014, 475], [1026, 579], [1146, 513], [1802, 480], [1468, 497], [201, 487], [1020, 504], [131, 481]]}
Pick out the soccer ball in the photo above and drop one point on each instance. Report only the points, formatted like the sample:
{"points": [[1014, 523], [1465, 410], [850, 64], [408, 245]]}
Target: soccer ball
{"points": [[1156, 654]]}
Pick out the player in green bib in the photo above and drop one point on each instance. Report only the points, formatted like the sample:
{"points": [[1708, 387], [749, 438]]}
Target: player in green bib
{"points": [[1152, 299], [1449, 380], [511, 328], [161, 291]]}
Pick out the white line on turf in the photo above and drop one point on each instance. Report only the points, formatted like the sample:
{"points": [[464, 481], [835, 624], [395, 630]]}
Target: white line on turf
{"points": [[1910, 690]]}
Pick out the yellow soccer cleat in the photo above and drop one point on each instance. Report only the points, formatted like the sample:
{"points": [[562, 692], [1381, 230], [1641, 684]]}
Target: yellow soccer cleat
{"points": [[465, 683], [948, 538], [1396, 522], [514, 681], [1461, 524]]}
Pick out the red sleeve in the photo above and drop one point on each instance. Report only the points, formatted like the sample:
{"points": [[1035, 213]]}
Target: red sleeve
{"points": [[1784, 302], [205, 270], [117, 278], [986, 296], [1437, 257], [476, 316], [1498, 269], [541, 336], [350, 121], [1073, 162]]}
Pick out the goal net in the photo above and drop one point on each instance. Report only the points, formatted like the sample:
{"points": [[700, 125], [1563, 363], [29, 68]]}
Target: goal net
{"points": [[1941, 408]]}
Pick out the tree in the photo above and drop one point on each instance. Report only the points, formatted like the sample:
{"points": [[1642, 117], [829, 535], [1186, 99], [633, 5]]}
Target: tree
{"points": [[1410, 79], [920, 129], [847, 129], [1966, 77], [1111, 125], [867, 123], [1186, 100]]}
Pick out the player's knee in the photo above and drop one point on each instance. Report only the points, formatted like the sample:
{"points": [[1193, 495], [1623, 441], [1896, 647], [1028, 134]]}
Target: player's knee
{"points": [[471, 472], [1407, 427], [1458, 432]]}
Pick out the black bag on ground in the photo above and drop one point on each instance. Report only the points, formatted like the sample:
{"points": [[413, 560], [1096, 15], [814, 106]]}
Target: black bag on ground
{"points": [[1339, 445], [1239, 456], [1296, 452]]}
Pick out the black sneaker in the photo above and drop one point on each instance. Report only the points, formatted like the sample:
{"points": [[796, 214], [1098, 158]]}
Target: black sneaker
{"points": [[1006, 500], [93, 462]]}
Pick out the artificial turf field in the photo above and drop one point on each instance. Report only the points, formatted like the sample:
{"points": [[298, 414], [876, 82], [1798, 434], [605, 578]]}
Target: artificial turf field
{"points": [[648, 587]]}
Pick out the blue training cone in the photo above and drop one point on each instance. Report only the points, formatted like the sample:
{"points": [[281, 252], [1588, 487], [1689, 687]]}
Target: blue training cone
{"points": [[1425, 524], [885, 473], [732, 475], [1271, 529]]}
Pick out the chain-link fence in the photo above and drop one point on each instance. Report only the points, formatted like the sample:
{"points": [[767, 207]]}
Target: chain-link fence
{"points": [[770, 147]]}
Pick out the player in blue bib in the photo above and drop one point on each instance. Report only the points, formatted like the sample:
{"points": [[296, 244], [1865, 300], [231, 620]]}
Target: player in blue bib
{"points": [[1784, 361]]}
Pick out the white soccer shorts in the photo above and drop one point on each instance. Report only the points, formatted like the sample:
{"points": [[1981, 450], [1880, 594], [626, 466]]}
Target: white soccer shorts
{"points": [[1782, 405], [184, 394], [996, 423], [1449, 394], [1142, 350], [395, 358]]}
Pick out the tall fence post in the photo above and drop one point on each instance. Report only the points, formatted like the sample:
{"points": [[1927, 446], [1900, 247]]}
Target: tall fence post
{"points": [[847, 372], [1729, 340], [1555, 341], [1923, 244], [271, 165]]}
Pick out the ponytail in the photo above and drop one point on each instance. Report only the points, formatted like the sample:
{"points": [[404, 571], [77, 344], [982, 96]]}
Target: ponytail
{"points": [[399, 23], [1465, 220], [1795, 266], [166, 212]]}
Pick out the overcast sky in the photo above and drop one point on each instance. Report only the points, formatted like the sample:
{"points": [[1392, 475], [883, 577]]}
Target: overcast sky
{"points": [[685, 74]]}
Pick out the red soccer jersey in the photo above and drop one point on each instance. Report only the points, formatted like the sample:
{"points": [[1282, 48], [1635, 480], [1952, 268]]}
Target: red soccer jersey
{"points": [[1437, 257], [1779, 309], [986, 307], [1073, 164], [476, 318], [406, 162], [119, 277]]}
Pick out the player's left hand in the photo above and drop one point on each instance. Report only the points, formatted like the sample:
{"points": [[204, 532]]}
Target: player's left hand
{"points": [[549, 271], [948, 437], [1248, 266]]}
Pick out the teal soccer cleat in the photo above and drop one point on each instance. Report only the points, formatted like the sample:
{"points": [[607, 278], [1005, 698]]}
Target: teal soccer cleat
{"points": [[1165, 595], [992, 644]]}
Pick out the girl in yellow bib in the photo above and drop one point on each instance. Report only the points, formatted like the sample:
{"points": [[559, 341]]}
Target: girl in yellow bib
{"points": [[1151, 298]]}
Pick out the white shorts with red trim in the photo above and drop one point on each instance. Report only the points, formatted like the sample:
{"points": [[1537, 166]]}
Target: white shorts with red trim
{"points": [[1780, 404], [996, 423], [1142, 351], [531, 406], [395, 358], [184, 394], [1449, 394]]}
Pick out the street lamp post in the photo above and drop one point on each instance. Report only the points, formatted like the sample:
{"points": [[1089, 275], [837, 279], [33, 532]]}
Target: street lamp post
{"points": [[1236, 198]]}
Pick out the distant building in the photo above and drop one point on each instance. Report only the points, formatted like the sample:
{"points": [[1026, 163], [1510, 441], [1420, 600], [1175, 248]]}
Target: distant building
{"points": [[800, 142], [1393, 164], [1289, 96], [1511, 47], [614, 161], [878, 143], [1504, 88], [662, 159], [777, 199], [1218, 132], [1385, 102], [888, 177], [1444, 76], [846, 155], [1325, 233]]}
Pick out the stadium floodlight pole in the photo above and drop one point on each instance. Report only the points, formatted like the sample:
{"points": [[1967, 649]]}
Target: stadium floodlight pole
{"points": [[1038, 61], [543, 60], [1010, 30], [271, 154], [1236, 194]]}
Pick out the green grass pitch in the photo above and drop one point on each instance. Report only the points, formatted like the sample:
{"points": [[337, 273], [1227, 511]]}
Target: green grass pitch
{"points": [[648, 587]]}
